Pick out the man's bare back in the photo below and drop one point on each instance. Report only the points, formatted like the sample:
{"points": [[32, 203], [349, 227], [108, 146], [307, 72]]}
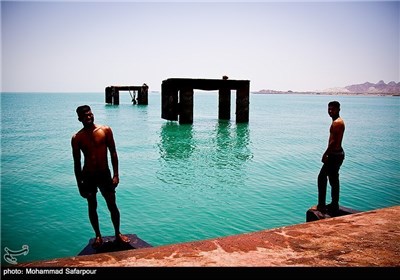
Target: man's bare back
{"points": [[336, 135], [336, 132]]}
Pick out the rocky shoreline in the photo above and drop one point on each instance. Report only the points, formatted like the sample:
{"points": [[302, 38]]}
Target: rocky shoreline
{"points": [[366, 89], [327, 93]]}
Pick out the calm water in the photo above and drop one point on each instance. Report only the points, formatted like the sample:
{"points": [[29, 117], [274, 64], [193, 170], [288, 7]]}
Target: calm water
{"points": [[183, 183]]}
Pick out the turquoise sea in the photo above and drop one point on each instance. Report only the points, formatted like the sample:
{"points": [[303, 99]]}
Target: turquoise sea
{"points": [[182, 183]]}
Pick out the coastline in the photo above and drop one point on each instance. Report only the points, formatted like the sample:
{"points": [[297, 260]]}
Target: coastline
{"points": [[327, 93]]}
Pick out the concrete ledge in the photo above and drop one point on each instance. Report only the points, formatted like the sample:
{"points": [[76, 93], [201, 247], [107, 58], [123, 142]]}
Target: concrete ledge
{"points": [[366, 239], [313, 214], [109, 245]]}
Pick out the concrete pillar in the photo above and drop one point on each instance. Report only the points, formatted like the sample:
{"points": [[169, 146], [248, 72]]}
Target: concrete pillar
{"points": [[108, 95], [224, 104], [169, 103], [115, 96], [142, 98], [242, 104], [186, 106]]}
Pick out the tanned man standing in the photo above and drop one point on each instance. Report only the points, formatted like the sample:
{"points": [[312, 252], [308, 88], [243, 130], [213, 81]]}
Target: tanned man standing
{"points": [[332, 159], [94, 141]]}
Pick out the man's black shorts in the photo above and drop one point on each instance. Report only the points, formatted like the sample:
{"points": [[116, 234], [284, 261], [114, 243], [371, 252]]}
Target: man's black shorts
{"points": [[101, 180]]}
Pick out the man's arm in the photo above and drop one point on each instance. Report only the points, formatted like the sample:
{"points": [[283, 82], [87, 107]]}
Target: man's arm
{"points": [[113, 154], [335, 138], [76, 154]]}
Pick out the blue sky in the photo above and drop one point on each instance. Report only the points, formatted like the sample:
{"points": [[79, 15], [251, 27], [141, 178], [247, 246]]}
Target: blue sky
{"points": [[79, 46]]}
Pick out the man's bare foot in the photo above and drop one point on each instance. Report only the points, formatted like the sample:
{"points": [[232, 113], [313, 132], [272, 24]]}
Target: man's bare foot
{"points": [[97, 242], [122, 238]]}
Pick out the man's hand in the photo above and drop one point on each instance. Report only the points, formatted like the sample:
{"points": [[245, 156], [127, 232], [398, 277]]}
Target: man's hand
{"points": [[324, 158], [115, 181], [81, 192]]}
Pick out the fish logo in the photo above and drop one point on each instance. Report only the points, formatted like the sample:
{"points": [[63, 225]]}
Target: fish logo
{"points": [[9, 256]]}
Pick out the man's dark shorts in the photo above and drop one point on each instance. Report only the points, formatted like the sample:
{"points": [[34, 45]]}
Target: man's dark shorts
{"points": [[335, 161], [101, 180]]}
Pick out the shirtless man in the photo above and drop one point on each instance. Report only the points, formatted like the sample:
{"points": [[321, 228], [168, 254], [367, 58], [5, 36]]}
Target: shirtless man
{"points": [[332, 160], [94, 140]]}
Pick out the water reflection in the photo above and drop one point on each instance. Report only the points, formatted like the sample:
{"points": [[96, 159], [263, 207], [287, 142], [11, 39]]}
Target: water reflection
{"points": [[204, 155], [176, 141], [243, 141], [232, 143]]}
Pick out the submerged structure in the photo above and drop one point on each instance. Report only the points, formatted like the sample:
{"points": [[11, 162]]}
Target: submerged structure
{"points": [[177, 98], [139, 94]]}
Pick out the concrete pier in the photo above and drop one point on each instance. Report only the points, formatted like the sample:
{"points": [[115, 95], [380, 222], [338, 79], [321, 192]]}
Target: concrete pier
{"points": [[112, 94], [177, 98], [365, 239]]}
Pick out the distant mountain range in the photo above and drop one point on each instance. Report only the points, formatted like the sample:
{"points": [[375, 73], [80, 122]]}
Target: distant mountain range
{"points": [[380, 88]]}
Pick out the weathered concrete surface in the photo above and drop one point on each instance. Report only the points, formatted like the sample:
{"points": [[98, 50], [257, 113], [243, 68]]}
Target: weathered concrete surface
{"points": [[369, 238]]}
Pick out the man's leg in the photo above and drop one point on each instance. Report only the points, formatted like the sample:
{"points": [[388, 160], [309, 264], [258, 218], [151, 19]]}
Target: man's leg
{"points": [[335, 183], [322, 185], [115, 216], [335, 190], [94, 219]]}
